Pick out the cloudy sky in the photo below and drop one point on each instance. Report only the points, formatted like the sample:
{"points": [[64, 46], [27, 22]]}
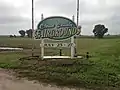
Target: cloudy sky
{"points": [[16, 14]]}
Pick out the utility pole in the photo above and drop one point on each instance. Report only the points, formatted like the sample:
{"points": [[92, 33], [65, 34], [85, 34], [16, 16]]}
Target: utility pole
{"points": [[42, 42], [32, 27], [77, 25], [78, 12]]}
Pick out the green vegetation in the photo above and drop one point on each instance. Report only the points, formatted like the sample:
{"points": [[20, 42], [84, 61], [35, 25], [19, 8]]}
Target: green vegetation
{"points": [[9, 60], [100, 72]]}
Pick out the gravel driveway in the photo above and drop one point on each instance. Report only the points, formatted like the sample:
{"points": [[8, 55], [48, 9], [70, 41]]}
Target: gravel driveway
{"points": [[8, 82]]}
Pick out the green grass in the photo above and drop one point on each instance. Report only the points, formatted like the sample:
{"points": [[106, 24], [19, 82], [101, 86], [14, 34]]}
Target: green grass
{"points": [[100, 72], [10, 59]]}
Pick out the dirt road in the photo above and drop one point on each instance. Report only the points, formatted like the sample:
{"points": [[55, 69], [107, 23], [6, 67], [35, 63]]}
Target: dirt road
{"points": [[8, 82]]}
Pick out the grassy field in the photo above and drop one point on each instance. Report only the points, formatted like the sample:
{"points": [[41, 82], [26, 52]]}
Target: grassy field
{"points": [[100, 72]]}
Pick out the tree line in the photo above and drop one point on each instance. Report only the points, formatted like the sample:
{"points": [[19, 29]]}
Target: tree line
{"points": [[28, 32], [98, 31]]}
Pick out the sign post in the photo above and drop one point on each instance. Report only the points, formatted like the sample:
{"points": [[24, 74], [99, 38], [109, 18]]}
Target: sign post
{"points": [[72, 41], [42, 48]]}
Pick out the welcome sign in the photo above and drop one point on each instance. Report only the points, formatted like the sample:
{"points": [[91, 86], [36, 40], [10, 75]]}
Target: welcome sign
{"points": [[57, 28]]}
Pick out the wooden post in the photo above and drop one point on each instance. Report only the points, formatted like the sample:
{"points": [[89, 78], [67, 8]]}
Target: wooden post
{"points": [[77, 25], [32, 27]]}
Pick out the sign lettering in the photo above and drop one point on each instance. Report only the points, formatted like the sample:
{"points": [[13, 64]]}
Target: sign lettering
{"points": [[58, 45]]}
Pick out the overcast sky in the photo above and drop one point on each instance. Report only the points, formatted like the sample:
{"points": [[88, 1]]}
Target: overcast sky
{"points": [[16, 14]]}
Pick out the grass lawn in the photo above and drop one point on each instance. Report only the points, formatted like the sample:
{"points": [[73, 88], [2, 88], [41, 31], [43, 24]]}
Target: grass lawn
{"points": [[100, 72]]}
